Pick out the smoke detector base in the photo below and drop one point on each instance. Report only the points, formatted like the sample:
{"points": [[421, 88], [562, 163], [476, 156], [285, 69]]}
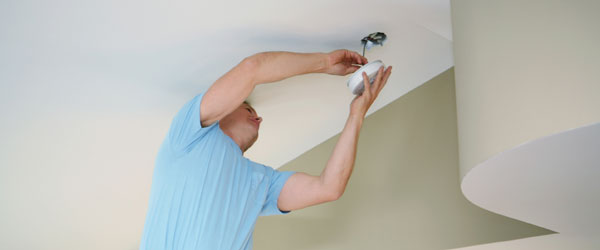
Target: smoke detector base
{"points": [[355, 83]]}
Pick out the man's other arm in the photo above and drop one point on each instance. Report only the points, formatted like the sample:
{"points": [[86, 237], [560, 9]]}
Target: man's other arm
{"points": [[230, 90], [302, 190]]}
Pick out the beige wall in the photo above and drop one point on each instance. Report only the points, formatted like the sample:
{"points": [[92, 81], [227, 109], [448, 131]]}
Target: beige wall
{"points": [[404, 192], [524, 70]]}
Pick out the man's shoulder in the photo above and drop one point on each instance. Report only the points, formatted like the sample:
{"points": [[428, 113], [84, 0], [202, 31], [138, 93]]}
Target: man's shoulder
{"points": [[259, 167]]}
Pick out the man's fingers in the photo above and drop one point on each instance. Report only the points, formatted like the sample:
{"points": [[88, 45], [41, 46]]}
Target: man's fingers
{"points": [[378, 79], [363, 60], [357, 58], [388, 72], [366, 83]]}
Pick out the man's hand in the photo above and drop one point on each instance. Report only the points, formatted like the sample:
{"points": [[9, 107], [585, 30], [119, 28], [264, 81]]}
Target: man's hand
{"points": [[361, 103], [342, 62]]}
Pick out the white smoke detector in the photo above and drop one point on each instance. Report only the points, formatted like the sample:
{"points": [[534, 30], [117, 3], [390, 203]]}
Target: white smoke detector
{"points": [[355, 83]]}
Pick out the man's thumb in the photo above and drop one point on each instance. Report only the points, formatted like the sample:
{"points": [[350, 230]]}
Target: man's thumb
{"points": [[352, 69]]}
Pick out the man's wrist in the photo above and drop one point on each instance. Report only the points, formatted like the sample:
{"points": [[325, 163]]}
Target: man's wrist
{"points": [[356, 116], [323, 62]]}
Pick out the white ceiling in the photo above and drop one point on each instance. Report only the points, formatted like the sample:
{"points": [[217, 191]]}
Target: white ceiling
{"points": [[89, 89], [123, 56]]}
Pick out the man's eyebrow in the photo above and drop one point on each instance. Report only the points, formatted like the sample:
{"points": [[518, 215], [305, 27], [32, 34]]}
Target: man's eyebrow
{"points": [[251, 108]]}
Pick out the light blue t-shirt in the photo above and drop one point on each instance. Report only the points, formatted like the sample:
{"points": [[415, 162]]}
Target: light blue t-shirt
{"points": [[205, 194]]}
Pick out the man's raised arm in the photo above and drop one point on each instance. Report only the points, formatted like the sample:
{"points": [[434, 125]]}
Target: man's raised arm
{"points": [[229, 91], [302, 190]]}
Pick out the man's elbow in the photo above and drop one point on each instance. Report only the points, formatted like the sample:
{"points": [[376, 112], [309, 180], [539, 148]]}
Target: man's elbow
{"points": [[253, 61], [251, 67], [334, 194]]}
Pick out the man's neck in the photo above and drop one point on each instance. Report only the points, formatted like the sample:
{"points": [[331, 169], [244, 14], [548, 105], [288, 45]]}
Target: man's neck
{"points": [[237, 140]]}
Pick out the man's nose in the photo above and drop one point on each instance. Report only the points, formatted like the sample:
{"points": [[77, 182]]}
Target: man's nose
{"points": [[259, 119]]}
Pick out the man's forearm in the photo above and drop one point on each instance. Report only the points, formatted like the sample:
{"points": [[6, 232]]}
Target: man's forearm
{"points": [[339, 167], [278, 65]]}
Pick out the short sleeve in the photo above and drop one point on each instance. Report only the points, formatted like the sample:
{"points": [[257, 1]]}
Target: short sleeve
{"points": [[185, 127], [277, 180]]}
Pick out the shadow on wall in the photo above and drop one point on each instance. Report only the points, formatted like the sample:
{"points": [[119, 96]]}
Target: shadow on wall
{"points": [[404, 192]]}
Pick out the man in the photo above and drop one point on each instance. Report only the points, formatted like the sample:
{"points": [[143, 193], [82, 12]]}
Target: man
{"points": [[205, 194]]}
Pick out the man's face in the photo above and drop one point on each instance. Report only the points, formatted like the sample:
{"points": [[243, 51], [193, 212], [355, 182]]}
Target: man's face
{"points": [[244, 122], [250, 115]]}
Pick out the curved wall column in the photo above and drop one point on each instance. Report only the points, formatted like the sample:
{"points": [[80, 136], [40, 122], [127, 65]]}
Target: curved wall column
{"points": [[524, 70], [528, 114]]}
